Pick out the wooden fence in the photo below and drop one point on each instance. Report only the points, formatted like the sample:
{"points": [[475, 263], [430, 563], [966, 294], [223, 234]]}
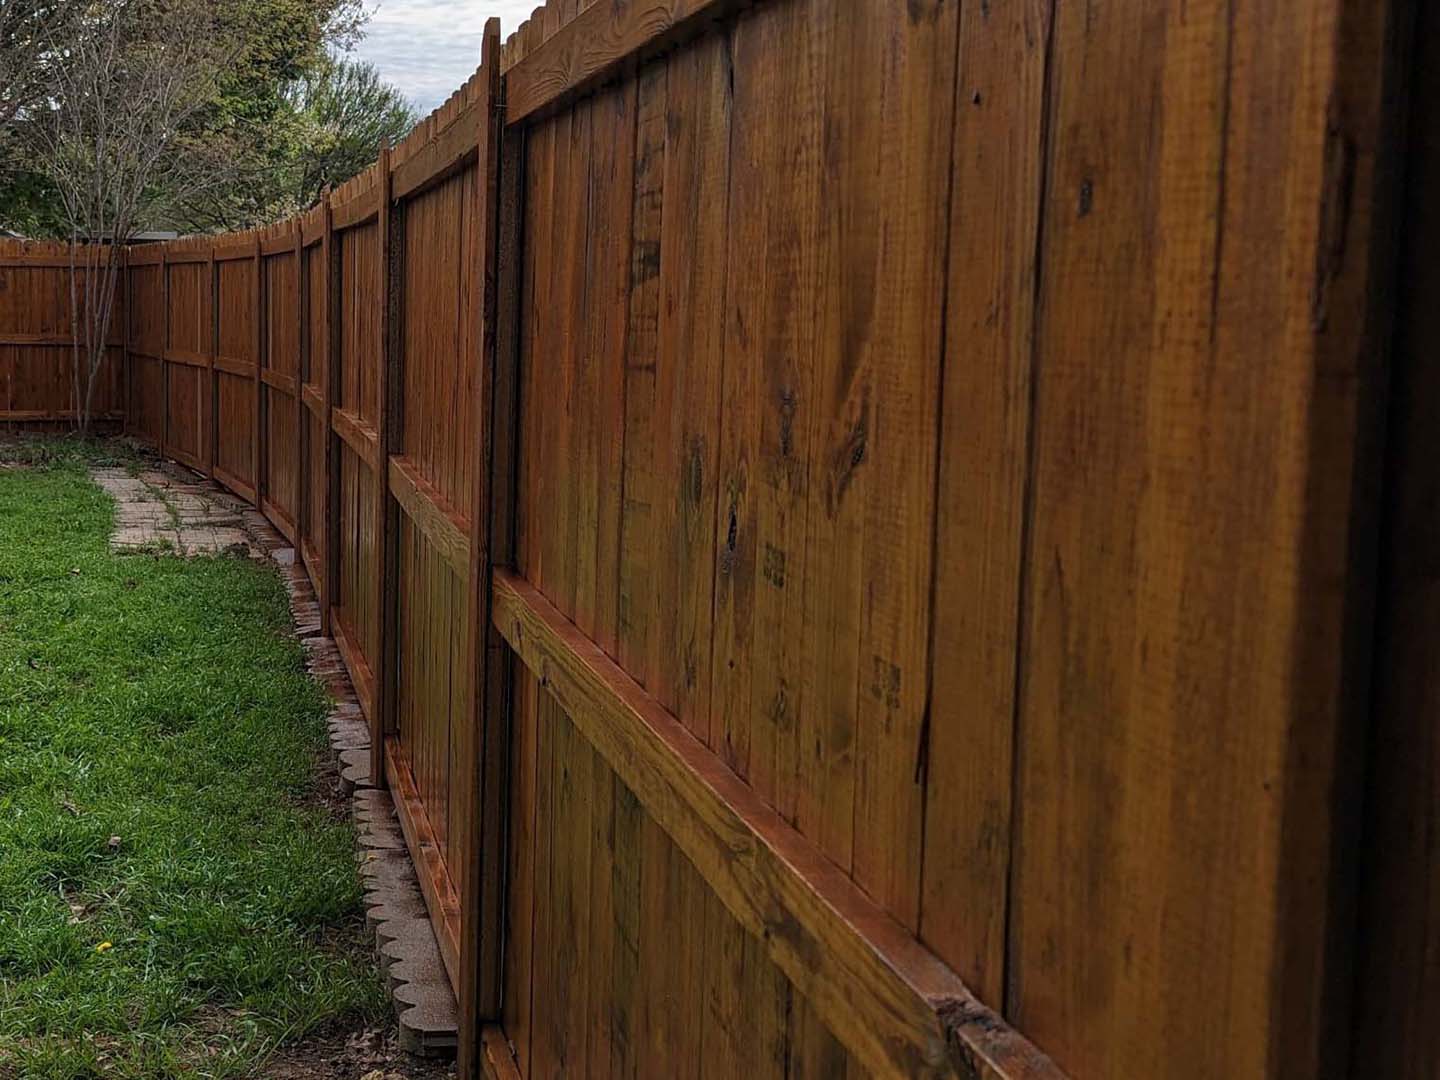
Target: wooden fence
{"points": [[37, 341], [854, 526]]}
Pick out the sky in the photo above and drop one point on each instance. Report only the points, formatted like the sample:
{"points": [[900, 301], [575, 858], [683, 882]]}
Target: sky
{"points": [[429, 47]]}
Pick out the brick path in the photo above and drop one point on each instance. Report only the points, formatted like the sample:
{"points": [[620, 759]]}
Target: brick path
{"points": [[159, 507]]}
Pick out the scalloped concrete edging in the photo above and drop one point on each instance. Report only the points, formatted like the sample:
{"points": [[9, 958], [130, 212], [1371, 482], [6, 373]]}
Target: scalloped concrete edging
{"points": [[164, 505]]}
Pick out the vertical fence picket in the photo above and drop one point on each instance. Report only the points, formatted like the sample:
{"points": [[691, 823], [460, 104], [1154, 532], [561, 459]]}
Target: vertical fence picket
{"points": [[164, 351], [330, 515], [127, 393], [382, 717], [257, 454], [212, 377], [484, 746], [300, 510]]}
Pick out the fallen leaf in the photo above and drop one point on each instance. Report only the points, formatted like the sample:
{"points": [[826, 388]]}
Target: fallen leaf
{"points": [[104, 946]]}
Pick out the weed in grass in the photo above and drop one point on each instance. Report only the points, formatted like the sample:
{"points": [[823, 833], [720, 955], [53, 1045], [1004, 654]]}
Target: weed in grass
{"points": [[171, 903]]}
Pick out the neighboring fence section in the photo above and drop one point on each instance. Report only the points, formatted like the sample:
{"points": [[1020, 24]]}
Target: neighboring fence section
{"points": [[38, 350], [853, 523]]}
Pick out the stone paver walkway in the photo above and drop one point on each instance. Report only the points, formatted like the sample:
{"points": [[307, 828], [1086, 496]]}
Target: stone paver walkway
{"points": [[158, 507]]}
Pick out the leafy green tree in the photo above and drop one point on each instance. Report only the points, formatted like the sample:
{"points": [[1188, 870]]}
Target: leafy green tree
{"points": [[344, 109]]}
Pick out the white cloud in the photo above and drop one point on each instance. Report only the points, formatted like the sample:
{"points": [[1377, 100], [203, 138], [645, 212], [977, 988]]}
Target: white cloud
{"points": [[429, 47]]}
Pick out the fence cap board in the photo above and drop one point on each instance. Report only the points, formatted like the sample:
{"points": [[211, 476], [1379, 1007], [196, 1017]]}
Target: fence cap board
{"points": [[450, 150], [601, 42]]}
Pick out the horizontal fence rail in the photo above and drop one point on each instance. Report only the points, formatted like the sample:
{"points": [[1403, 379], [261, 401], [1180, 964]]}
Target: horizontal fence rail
{"points": [[852, 525]]}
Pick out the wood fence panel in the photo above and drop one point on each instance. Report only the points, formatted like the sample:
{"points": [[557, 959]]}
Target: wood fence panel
{"points": [[356, 606], [1195, 564], [435, 452], [37, 385], [745, 306], [186, 355], [235, 362], [313, 414], [280, 378], [853, 530]]}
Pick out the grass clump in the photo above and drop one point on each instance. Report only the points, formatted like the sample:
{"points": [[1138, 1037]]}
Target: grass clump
{"points": [[172, 902]]}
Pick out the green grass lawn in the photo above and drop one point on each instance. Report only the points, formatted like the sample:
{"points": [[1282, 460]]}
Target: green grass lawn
{"points": [[173, 900]]}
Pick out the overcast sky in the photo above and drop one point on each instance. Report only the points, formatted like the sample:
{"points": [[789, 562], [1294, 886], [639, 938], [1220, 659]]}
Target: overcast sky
{"points": [[429, 47]]}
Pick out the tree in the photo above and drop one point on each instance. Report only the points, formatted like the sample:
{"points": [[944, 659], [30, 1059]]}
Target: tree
{"points": [[28, 28], [252, 125], [110, 137], [345, 109]]}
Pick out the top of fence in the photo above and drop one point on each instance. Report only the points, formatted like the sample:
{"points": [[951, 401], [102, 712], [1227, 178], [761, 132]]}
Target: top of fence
{"points": [[358, 195]]}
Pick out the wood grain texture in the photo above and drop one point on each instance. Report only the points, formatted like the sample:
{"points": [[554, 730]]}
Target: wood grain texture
{"points": [[874, 985], [1195, 554], [603, 36]]}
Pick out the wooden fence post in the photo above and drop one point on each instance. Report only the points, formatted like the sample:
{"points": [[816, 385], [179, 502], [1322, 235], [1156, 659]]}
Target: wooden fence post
{"points": [[257, 456], [330, 515], [484, 747], [382, 719]]}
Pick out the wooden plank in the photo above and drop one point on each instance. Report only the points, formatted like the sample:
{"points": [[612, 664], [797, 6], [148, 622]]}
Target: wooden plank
{"points": [[302, 372], [496, 1058], [186, 359], [600, 40], [900, 358], [164, 348], [686, 419], [127, 396], [228, 364], [47, 415], [37, 340], [482, 754], [357, 211], [445, 527], [389, 358], [314, 399], [212, 379], [896, 1006], [355, 663], [279, 380], [637, 533], [280, 518], [998, 172], [330, 387], [356, 434], [240, 487], [257, 314], [1194, 607], [446, 153], [427, 853]]}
